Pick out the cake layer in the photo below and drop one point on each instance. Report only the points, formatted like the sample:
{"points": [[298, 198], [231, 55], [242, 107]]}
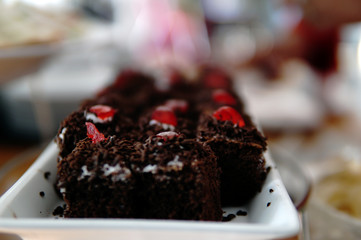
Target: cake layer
{"points": [[95, 179], [239, 154], [178, 179]]}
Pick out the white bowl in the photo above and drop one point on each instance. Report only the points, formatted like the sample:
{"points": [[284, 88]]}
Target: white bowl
{"points": [[340, 222], [326, 220]]}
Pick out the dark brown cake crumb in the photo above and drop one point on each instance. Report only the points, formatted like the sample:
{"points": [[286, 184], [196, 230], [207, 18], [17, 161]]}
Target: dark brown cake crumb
{"points": [[241, 213], [42, 194], [58, 211], [228, 218], [271, 190], [47, 175], [268, 204], [242, 165]]}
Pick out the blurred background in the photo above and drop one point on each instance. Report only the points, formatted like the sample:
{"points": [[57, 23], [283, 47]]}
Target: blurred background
{"points": [[296, 63]]}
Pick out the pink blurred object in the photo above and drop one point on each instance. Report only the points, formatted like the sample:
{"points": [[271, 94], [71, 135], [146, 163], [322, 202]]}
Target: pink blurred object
{"points": [[165, 34]]}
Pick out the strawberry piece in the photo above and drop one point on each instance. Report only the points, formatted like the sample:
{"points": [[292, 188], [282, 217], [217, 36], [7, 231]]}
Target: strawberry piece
{"points": [[177, 105], [164, 114], [226, 113], [223, 97], [216, 78], [124, 78], [167, 135], [93, 133], [103, 112], [175, 78]]}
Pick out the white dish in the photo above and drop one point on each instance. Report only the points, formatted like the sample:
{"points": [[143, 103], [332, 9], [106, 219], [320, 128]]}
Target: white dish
{"points": [[24, 212]]}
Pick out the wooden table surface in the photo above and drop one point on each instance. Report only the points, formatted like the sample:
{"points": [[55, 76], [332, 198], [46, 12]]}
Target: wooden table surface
{"points": [[15, 159]]}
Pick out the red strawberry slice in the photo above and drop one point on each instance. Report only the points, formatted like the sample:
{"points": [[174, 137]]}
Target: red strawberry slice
{"points": [[226, 113], [164, 114], [175, 78], [167, 135], [177, 105], [223, 97], [103, 112], [93, 133], [124, 78], [216, 79]]}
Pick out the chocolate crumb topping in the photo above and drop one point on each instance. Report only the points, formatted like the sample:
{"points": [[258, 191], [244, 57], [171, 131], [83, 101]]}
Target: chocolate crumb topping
{"points": [[241, 213]]}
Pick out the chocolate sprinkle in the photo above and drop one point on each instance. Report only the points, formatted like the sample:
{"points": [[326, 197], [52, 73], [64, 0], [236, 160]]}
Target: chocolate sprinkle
{"points": [[271, 190], [241, 213], [228, 218], [42, 194], [58, 211], [47, 175], [268, 204]]}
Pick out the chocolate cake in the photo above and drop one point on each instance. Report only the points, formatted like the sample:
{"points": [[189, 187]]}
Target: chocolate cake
{"points": [[131, 92], [95, 179], [173, 115], [108, 120], [168, 177], [214, 77], [239, 147], [178, 152], [178, 179]]}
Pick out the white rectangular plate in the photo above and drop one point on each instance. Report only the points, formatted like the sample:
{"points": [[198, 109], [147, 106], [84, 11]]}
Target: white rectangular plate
{"points": [[23, 211]]}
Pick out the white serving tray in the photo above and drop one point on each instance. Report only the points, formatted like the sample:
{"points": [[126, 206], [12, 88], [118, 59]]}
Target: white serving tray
{"points": [[23, 211]]}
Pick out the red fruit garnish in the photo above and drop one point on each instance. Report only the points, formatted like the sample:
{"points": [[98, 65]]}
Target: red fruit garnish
{"points": [[175, 78], [223, 97], [177, 105], [216, 79], [124, 78], [167, 135], [93, 133], [103, 112], [164, 114], [226, 113]]}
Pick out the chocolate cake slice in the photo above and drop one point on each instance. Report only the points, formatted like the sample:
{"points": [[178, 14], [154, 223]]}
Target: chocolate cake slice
{"points": [[132, 92], [177, 179], [108, 120], [214, 77], [172, 115], [96, 180], [239, 148]]}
